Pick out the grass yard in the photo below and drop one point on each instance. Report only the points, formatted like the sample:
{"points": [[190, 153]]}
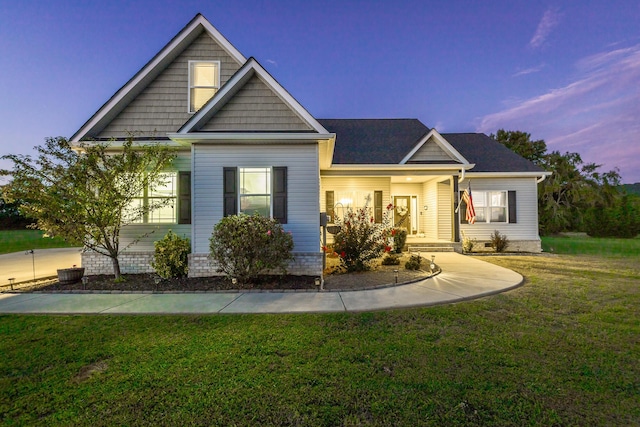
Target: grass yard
{"points": [[562, 350], [22, 240], [580, 243]]}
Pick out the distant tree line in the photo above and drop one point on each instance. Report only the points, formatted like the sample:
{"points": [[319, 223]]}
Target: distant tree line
{"points": [[577, 196], [10, 216]]}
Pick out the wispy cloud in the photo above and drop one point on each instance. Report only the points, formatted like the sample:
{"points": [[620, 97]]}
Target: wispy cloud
{"points": [[549, 20], [528, 71], [272, 62], [596, 115]]}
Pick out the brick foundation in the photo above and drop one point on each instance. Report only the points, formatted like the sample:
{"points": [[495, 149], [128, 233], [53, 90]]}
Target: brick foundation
{"points": [[200, 265]]}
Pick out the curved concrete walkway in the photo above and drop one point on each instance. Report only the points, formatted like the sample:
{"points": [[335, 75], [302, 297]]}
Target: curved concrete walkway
{"points": [[45, 262], [462, 278]]}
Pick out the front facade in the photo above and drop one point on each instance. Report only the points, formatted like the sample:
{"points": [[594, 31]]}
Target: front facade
{"points": [[245, 144]]}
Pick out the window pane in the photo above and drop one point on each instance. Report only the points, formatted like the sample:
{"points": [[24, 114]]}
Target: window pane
{"points": [[255, 181], [498, 198], [204, 74], [167, 186], [480, 214], [479, 198], [252, 204], [200, 96], [166, 213], [132, 212], [498, 215]]}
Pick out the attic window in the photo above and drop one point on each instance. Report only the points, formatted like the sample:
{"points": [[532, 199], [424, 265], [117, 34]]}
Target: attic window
{"points": [[204, 82]]}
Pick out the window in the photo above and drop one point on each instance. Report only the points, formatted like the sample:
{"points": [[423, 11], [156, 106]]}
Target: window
{"points": [[255, 191], [492, 207], [204, 81], [163, 195], [250, 190]]}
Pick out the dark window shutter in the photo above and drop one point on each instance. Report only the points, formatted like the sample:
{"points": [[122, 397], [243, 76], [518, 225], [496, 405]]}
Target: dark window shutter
{"points": [[512, 208], [329, 201], [462, 211], [184, 198], [377, 206], [230, 191], [279, 194]]}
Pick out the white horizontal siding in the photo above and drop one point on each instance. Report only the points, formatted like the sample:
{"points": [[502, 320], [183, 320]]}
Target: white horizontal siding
{"points": [[526, 204], [302, 188], [364, 184], [430, 151], [430, 221], [146, 234], [444, 210]]}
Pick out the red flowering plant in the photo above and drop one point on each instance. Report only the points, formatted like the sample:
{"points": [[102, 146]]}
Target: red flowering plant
{"points": [[361, 240]]}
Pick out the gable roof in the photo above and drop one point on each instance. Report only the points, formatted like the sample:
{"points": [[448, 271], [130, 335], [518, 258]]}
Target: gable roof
{"points": [[249, 70], [151, 70], [488, 154], [374, 141]]}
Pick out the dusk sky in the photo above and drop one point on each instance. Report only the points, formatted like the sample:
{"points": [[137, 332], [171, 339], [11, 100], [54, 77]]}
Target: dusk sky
{"points": [[567, 72]]}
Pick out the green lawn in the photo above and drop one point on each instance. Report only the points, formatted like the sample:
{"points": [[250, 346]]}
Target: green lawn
{"points": [[561, 350], [577, 243], [22, 240]]}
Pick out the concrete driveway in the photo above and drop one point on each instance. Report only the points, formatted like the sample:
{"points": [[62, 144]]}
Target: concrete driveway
{"points": [[20, 265]]}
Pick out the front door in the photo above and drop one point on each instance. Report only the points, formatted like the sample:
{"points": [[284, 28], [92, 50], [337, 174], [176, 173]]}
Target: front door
{"points": [[402, 212]]}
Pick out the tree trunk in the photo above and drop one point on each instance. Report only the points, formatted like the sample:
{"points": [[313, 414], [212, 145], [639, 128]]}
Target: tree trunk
{"points": [[116, 267]]}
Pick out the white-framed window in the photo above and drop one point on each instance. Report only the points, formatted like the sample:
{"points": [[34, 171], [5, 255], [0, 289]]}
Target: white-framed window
{"points": [[164, 195], [204, 82], [490, 206], [254, 193]]}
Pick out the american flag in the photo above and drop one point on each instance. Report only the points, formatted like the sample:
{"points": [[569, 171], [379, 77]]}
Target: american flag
{"points": [[471, 212]]}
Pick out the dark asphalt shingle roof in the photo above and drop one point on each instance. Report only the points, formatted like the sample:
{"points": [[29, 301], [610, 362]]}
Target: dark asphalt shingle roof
{"points": [[388, 141], [373, 141], [488, 154]]}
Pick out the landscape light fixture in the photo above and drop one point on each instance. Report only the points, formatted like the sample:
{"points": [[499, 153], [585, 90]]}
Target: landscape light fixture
{"points": [[432, 266], [234, 281], [395, 272], [11, 280], [84, 279]]}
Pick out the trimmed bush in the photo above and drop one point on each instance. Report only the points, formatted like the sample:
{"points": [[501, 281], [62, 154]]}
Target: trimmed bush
{"points": [[245, 246], [414, 263], [171, 256], [399, 238], [499, 242], [391, 259]]}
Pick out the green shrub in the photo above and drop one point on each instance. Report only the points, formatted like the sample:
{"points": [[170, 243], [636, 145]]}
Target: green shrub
{"points": [[414, 263], [391, 259], [499, 242], [360, 240], [245, 246], [622, 219], [171, 256], [399, 238]]}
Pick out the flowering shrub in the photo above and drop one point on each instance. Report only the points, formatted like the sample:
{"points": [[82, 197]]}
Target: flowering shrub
{"points": [[171, 256], [361, 240], [245, 246]]}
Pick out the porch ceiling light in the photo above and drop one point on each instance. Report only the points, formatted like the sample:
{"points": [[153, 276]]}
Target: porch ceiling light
{"points": [[409, 178]]}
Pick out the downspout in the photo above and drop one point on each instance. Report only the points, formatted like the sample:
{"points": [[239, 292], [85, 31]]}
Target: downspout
{"points": [[461, 177], [542, 178]]}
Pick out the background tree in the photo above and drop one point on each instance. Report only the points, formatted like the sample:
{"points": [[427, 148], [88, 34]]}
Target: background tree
{"points": [[575, 189], [10, 217], [84, 194], [521, 143]]}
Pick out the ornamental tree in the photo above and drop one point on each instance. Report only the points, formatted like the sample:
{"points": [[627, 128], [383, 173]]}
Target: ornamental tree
{"points": [[84, 193]]}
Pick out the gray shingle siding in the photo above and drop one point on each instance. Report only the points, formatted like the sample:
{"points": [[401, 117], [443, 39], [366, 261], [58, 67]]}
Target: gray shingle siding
{"points": [[162, 106]]}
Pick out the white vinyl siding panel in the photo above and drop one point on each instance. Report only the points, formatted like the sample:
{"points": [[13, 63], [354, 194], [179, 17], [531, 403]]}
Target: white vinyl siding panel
{"points": [[302, 188], [356, 184], [430, 221], [162, 106], [255, 107], [526, 204], [444, 210]]}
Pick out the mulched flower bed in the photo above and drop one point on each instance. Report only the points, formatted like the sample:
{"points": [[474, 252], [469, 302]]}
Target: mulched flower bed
{"points": [[146, 282]]}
